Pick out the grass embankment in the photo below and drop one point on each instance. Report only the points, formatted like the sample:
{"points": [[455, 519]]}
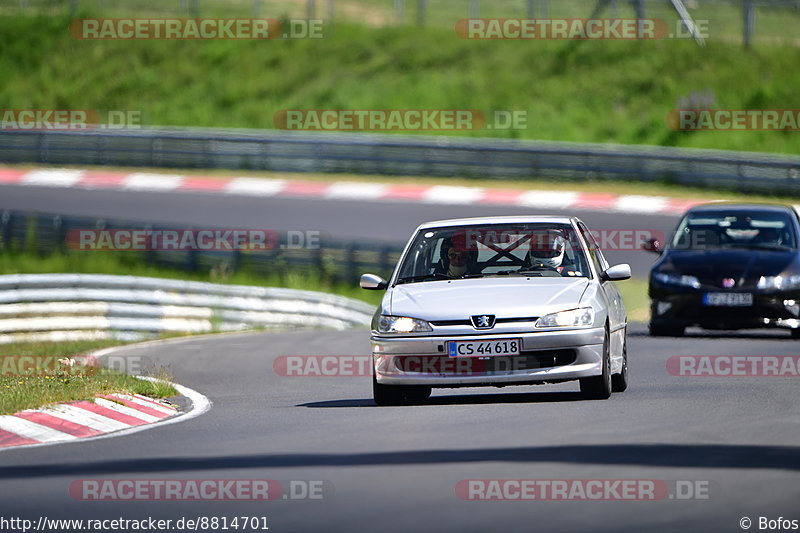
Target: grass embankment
{"points": [[54, 374], [596, 91]]}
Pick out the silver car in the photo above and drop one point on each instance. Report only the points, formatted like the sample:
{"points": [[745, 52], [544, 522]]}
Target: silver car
{"points": [[499, 301]]}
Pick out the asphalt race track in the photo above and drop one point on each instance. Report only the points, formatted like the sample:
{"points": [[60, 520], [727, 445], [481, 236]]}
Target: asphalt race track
{"points": [[725, 448], [345, 219], [396, 468]]}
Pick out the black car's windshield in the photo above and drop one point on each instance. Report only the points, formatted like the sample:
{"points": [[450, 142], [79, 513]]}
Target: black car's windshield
{"points": [[528, 249], [763, 230]]}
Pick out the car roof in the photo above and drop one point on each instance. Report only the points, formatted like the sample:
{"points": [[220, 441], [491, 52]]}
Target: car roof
{"points": [[496, 220], [732, 206]]}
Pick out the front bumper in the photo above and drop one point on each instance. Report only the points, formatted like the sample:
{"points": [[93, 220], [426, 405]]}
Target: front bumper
{"points": [[546, 357], [685, 308]]}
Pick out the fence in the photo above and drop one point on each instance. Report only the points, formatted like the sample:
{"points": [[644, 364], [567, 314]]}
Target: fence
{"points": [[50, 307], [331, 260], [403, 155], [748, 20]]}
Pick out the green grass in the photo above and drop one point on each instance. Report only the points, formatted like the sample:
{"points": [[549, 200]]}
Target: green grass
{"points": [[598, 91], [56, 382]]}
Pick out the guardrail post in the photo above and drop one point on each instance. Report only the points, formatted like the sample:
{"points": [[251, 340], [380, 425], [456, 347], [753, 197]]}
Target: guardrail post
{"points": [[256, 8], [5, 231], [474, 9], [421, 12], [400, 11], [639, 6], [350, 268], [749, 22], [59, 234], [311, 9]]}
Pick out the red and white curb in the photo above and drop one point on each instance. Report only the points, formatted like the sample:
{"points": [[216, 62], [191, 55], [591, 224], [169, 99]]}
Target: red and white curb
{"points": [[78, 420], [344, 190], [107, 416]]}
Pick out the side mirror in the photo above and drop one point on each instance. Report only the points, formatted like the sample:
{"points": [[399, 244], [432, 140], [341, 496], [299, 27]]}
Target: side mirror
{"points": [[653, 245], [372, 282], [617, 273]]}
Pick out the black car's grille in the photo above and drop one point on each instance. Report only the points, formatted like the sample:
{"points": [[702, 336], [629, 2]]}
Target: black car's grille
{"points": [[466, 366]]}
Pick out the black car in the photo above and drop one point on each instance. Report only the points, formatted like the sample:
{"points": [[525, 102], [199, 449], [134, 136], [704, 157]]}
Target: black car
{"points": [[728, 266]]}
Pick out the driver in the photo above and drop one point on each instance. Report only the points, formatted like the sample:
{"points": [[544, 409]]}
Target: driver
{"points": [[548, 251]]}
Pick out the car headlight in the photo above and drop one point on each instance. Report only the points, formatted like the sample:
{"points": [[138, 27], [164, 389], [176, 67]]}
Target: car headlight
{"points": [[574, 317], [778, 282], [675, 279], [402, 324]]}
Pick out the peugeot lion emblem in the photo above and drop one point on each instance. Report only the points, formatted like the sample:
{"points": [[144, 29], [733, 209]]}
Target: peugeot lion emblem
{"points": [[482, 321]]}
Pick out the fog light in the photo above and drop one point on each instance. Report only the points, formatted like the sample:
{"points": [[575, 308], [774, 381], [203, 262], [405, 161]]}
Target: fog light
{"points": [[792, 306], [663, 307]]}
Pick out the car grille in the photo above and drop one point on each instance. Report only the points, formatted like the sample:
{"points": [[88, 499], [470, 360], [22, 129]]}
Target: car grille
{"points": [[467, 366], [466, 321]]}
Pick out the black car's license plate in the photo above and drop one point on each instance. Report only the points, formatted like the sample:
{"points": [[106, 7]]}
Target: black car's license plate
{"points": [[728, 299]]}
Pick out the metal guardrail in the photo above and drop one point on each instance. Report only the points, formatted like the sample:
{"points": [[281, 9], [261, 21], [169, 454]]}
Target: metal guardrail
{"points": [[330, 259], [37, 307], [403, 155]]}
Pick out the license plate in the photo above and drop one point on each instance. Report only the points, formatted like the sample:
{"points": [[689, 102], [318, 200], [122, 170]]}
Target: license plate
{"points": [[728, 299], [484, 348]]}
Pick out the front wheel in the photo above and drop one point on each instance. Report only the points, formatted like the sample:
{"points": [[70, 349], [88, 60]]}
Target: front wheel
{"points": [[599, 387], [387, 395]]}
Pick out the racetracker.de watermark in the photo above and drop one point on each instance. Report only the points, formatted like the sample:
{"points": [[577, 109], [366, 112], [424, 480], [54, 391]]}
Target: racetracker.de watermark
{"points": [[733, 366], [48, 365], [548, 490], [199, 489], [575, 29], [195, 29], [399, 119], [217, 240], [68, 119], [608, 239], [734, 119]]}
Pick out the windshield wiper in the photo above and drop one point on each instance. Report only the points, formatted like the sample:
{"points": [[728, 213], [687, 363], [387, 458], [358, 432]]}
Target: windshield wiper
{"points": [[423, 277]]}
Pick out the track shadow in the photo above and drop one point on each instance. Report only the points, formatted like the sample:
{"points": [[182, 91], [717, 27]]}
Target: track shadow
{"points": [[785, 458], [465, 399], [765, 334]]}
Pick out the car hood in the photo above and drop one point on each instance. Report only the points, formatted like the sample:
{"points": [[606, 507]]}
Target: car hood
{"points": [[712, 265], [503, 297]]}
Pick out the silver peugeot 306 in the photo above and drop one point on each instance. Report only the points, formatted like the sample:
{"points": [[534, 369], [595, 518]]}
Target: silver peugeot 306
{"points": [[499, 301]]}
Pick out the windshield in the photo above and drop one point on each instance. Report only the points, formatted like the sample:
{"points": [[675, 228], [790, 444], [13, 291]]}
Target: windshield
{"points": [[727, 229], [529, 249]]}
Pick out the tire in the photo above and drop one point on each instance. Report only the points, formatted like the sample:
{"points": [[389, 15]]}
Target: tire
{"points": [[388, 395], [599, 387], [795, 333], [659, 330], [619, 382]]}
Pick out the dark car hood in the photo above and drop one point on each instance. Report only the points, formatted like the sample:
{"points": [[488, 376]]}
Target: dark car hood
{"points": [[710, 266]]}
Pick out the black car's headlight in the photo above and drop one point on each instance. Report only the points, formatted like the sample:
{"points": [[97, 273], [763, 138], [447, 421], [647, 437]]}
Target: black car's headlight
{"points": [[402, 324], [677, 279], [778, 282]]}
